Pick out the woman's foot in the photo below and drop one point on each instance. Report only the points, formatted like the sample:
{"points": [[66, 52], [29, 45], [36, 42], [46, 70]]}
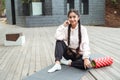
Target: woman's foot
{"points": [[65, 62], [56, 67]]}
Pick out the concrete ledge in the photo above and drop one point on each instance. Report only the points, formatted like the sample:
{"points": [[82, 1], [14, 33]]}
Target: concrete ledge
{"points": [[14, 39]]}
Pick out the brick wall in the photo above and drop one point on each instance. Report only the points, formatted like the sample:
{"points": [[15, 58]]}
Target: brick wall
{"points": [[55, 13]]}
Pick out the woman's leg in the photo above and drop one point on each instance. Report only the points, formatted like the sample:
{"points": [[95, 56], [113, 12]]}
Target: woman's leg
{"points": [[78, 64], [60, 49]]}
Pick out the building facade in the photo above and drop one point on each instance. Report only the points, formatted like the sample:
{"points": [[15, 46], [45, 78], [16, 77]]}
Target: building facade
{"points": [[53, 12]]}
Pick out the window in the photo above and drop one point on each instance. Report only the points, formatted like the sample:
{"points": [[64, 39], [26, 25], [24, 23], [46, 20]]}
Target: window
{"points": [[41, 7], [85, 7], [70, 4], [37, 7], [47, 7]]}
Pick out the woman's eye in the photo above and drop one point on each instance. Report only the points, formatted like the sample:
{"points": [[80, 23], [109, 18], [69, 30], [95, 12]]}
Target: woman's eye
{"points": [[74, 16], [70, 17]]}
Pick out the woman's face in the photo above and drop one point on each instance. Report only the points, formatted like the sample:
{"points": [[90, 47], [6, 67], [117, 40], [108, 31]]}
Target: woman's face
{"points": [[73, 18]]}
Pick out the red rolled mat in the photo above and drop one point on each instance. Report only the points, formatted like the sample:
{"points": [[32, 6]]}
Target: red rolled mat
{"points": [[102, 62]]}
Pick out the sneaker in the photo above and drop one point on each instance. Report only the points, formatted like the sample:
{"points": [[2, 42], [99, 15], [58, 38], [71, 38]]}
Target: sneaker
{"points": [[56, 67], [65, 62]]}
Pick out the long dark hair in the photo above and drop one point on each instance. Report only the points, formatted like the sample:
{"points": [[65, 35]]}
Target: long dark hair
{"points": [[79, 30]]}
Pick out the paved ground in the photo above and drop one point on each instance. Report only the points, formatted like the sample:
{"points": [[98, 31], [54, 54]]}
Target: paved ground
{"points": [[17, 62]]}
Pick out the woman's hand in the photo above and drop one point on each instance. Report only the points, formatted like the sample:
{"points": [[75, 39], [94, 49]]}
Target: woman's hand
{"points": [[66, 23], [87, 63]]}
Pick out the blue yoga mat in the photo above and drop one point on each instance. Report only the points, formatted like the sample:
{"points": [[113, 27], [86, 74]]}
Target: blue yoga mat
{"points": [[66, 73]]}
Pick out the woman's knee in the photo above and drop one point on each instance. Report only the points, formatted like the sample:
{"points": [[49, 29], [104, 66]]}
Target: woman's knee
{"points": [[59, 41]]}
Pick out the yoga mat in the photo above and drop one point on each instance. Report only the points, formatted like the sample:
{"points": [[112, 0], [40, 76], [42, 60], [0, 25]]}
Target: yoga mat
{"points": [[66, 73]]}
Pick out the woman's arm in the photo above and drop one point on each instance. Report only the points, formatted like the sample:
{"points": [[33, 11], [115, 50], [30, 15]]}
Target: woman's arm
{"points": [[85, 48], [60, 33], [85, 43]]}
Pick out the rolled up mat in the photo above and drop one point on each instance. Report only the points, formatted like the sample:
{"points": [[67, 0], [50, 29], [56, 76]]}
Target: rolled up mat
{"points": [[102, 62]]}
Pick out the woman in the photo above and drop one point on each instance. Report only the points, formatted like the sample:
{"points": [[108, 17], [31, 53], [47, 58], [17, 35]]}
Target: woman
{"points": [[72, 44]]}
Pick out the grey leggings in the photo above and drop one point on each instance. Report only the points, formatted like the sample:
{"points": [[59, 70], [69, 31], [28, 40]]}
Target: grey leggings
{"points": [[60, 50]]}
